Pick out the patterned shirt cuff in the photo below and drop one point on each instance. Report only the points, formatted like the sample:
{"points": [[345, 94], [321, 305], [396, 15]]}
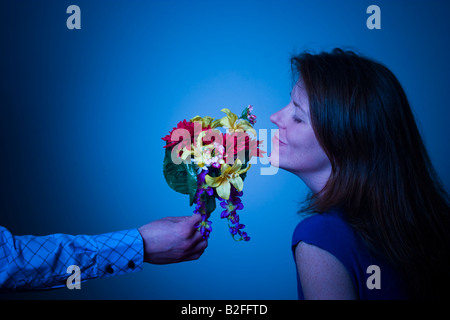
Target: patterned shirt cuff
{"points": [[119, 252]]}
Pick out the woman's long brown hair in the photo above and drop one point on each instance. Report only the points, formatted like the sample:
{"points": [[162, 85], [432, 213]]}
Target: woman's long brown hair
{"points": [[382, 177]]}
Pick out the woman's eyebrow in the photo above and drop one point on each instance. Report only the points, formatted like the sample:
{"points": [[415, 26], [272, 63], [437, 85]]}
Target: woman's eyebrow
{"points": [[296, 104]]}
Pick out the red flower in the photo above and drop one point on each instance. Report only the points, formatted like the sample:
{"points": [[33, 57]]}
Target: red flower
{"points": [[187, 125], [240, 141], [190, 127]]}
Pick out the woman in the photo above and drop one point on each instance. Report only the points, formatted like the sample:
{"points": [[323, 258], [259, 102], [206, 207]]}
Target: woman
{"points": [[380, 228]]}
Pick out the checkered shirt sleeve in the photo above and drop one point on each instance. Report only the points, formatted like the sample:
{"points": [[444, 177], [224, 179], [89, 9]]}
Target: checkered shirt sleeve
{"points": [[36, 263]]}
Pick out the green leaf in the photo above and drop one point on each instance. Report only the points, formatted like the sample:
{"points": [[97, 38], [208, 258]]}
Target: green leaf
{"points": [[244, 114], [191, 174], [180, 177], [210, 204]]}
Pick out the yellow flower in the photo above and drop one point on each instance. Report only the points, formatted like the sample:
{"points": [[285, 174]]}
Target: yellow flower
{"points": [[206, 121], [231, 122], [228, 175]]}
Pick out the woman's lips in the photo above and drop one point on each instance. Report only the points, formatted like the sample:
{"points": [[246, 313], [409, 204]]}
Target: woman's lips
{"points": [[276, 139]]}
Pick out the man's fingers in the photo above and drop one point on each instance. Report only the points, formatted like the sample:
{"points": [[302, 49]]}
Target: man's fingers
{"points": [[195, 218], [197, 251], [190, 220], [192, 224]]}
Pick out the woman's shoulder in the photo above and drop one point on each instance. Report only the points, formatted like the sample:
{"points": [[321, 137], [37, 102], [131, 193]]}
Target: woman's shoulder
{"points": [[325, 228], [330, 232]]}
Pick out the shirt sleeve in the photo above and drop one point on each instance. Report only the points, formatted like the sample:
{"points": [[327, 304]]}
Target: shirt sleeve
{"points": [[37, 263]]}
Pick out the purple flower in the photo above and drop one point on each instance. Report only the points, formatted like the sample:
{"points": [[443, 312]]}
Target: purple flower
{"points": [[234, 218], [200, 206], [202, 186], [252, 119], [236, 229], [230, 207], [205, 228], [224, 214]]}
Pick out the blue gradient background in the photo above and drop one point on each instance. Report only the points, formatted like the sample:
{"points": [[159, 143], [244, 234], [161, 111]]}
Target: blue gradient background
{"points": [[82, 114]]}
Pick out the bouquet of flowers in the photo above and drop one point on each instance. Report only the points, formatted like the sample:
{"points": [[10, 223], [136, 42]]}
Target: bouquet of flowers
{"points": [[206, 164]]}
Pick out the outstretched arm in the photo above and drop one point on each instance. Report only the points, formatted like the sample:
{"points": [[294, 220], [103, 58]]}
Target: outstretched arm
{"points": [[37, 263]]}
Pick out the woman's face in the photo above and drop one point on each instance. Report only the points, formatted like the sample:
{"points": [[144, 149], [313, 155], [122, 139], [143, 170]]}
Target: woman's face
{"points": [[296, 148]]}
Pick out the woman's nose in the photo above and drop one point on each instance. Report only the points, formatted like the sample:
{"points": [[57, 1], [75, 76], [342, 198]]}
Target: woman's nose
{"points": [[276, 118]]}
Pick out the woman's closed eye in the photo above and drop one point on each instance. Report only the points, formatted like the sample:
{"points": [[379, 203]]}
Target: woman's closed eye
{"points": [[297, 119]]}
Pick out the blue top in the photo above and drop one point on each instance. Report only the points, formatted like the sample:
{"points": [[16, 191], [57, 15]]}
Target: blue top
{"points": [[332, 233]]}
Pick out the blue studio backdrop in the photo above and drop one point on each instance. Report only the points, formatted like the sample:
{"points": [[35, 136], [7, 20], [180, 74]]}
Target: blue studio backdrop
{"points": [[82, 113]]}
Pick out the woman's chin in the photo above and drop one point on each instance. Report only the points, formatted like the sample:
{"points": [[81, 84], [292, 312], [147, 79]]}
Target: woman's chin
{"points": [[274, 160]]}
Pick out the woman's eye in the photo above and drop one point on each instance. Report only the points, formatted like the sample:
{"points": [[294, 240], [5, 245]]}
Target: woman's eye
{"points": [[296, 119]]}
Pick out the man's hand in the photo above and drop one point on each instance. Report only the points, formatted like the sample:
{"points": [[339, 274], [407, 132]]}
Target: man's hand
{"points": [[172, 239]]}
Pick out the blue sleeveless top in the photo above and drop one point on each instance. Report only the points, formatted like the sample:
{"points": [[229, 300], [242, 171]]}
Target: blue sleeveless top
{"points": [[330, 232]]}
